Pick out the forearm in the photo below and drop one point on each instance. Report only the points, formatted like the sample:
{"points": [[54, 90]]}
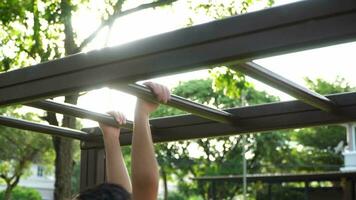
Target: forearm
{"points": [[145, 174], [116, 171]]}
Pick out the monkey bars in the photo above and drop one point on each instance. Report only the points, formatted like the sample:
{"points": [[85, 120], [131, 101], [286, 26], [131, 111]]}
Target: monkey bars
{"points": [[233, 41]]}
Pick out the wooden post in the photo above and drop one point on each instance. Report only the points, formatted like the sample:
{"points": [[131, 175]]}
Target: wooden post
{"points": [[92, 166]]}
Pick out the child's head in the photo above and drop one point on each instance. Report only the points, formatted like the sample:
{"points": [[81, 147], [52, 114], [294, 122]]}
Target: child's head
{"points": [[105, 191]]}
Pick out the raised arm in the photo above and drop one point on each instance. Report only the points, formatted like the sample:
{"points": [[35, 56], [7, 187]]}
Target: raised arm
{"points": [[145, 175], [116, 170]]}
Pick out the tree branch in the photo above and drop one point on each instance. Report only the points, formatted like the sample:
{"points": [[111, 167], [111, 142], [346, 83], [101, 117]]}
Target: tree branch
{"points": [[16, 181], [4, 177], [116, 15]]}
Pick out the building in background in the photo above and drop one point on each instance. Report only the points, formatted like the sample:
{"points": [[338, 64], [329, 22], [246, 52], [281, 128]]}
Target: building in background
{"points": [[39, 181]]}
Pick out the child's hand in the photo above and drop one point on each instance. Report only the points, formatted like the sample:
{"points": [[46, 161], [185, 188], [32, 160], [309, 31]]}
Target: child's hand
{"points": [[162, 94], [110, 131]]}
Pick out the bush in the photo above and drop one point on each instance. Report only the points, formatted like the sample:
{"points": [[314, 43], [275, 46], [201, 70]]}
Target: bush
{"points": [[22, 193], [282, 193], [176, 196]]}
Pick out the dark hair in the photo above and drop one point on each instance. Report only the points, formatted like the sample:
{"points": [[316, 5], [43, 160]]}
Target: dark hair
{"points": [[105, 191]]}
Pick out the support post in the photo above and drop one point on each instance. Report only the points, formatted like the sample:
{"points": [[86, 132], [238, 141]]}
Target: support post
{"points": [[306, 190], [214, 190], [269, 191], [348, 189], [92, 166], [350, 152]]}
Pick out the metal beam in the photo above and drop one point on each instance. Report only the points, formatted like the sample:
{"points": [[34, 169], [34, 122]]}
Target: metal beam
{"points": [[266, 76], [42, 128], [260, 118], [254, 35], [181, 103], [279, 178], [139, 91], [72, 110]]}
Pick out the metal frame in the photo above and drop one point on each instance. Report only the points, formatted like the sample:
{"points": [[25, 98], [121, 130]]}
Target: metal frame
{"points": [[259, 118], [259, 34], [234, 41], [348, 179], [262, 74], [72, 110], [42, 128]]}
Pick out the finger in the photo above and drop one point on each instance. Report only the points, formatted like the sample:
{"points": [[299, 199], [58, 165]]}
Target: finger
{"points": [[122, 118], [164, 94], [153, 88], [115, 115], [111, 112], [148, 83], [160, 93], [167, 94]]}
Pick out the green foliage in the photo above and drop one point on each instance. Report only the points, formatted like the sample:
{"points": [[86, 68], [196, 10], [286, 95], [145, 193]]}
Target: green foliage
{"points": [[22, 193], [281, 193], [324, 87], [11, 10], [223, 8], [234, 85], [176, 196], [218, 9]]}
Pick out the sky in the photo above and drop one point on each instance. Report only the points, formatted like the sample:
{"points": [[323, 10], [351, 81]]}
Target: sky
{"points": [[326, 63]]}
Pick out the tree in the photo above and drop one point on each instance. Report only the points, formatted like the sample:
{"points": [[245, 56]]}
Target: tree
{"points": [[221, 8], [18, 150], [33, 31]]}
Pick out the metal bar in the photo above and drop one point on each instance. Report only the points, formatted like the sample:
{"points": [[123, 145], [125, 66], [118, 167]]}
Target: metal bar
{"points": [[72, 110], [264, 75], [180, 103], [259, 34], [260, 118], [279, 178], [47, 129]]}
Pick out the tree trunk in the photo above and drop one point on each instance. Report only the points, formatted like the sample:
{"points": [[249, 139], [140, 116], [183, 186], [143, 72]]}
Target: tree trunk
{"points": [[165, 184], [63, 162], [7, 195], [64, 146], [64, 157], [10, 186]]}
